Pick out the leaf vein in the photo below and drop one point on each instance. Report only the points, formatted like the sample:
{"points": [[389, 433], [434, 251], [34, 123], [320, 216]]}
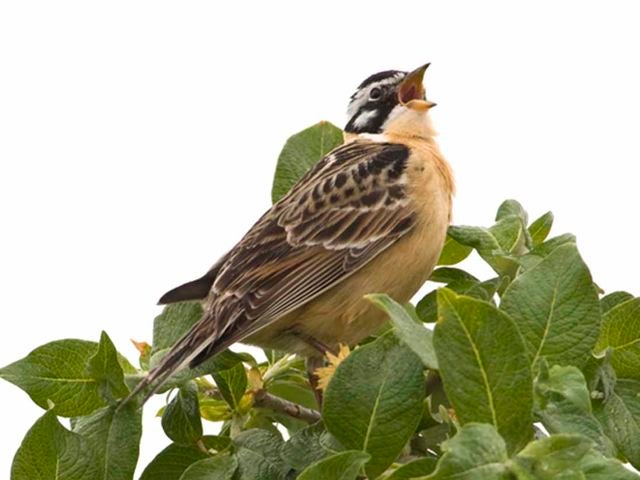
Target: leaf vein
{"points": [[476, 353], [373, 413], [547, 325]]}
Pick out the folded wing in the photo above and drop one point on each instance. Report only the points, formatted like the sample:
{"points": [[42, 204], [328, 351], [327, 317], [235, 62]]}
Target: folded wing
{"points": [[344, 212]]}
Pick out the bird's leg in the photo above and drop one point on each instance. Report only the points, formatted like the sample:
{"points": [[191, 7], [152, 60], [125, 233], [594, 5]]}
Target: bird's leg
{"points": [[314, 343], [312, 364]]}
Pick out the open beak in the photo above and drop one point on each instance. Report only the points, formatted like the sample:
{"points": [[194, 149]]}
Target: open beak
{"points": [[411, 91]]}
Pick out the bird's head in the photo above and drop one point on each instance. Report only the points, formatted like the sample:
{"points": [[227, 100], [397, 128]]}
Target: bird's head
{"points": [[384, 96]]}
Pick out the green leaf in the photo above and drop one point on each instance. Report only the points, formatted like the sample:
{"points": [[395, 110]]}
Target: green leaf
{"points": [[341, 466], [412, 333], [430, 439], [302, 151], [259, 419], [416, 468], [620, 416], [427, 308], [495, 244], [306, 446], [105, 368], [223, 361], [273, 355], [57, 371], [600, 375], [483, 366], [540, 228], [621, 333], [174, 321], [512, 208], [453, 252], [549, 457], [181, 418], [613, 299], [567, 457], [268, 419], [294, 391], [476, 452], [220, 467], [258, 454], [567, 383], [49, 451], [374, 400], [541, 251], [232, 384], [550, 245], [564, 405], [555, 306], [172, 462], [510, 233], [114, 436], [480, 238], [597, 467], [451, 274]]}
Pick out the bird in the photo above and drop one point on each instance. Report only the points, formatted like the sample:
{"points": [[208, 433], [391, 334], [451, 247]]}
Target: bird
{"points": [[371, 216]]}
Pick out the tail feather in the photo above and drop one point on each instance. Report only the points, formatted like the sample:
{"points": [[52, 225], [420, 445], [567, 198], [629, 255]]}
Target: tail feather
{"points": [[198, 338], [196, 289]]}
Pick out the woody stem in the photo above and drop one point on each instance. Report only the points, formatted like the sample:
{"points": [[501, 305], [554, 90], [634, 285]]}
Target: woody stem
{"points": [[263, 399]]}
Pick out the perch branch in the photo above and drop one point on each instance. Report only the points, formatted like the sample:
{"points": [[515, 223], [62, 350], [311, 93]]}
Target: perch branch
{"points": [[263, 399], [266, 400]]}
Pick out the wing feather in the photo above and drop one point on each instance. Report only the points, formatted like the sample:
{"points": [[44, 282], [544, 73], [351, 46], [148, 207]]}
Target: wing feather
{"points": [[343, 213]]}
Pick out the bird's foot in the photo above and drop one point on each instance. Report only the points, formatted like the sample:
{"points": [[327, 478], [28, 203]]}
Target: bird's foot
{"points": [[313, 364]]}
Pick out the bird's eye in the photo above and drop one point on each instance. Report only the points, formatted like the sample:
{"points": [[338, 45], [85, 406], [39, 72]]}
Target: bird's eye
{"points": [[375, 93]]}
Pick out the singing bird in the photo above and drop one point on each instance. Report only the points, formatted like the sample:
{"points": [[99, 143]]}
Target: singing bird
{"points": [[371, 216]]}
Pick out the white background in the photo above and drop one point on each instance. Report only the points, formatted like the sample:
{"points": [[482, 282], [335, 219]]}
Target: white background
{"points": [[138, 140]]}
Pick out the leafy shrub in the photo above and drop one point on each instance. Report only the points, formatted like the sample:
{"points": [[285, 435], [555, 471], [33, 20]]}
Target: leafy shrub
{"points": [[537, 345]]}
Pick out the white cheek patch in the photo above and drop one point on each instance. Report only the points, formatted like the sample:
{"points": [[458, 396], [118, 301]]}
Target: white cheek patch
{"points": [[359, 100], [364, 118]]}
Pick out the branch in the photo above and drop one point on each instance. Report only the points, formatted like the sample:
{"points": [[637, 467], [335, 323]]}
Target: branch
{"points": [[266, 400], [263, 399]]}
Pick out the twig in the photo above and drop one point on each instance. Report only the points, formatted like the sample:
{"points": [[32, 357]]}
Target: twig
{"points": [[266, 400], [263, 399]]}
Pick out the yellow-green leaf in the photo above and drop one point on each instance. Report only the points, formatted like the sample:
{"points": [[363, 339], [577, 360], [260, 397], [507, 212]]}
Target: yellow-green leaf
{"points": [[621, 333]]}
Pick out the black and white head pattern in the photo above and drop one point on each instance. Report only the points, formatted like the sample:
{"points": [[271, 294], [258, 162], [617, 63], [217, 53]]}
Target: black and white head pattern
{"points": [[373, 102]]}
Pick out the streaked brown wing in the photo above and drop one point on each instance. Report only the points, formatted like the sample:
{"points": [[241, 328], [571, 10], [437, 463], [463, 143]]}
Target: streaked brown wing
{"points": [[350, 207]]}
